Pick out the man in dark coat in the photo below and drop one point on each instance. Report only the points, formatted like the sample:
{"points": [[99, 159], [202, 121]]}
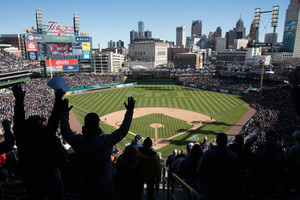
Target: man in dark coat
{"points": [[93, 150], [39, 149], [218, 171]]}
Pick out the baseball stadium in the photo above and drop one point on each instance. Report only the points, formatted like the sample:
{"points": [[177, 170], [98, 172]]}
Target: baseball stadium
{"points": [[210, 119], [172, 115]]}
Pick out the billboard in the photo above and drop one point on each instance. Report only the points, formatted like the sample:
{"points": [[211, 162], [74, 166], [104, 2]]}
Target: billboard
{"points": [[32, 55], [61, 65], [60, 49], [31, 46], [86, 46], [34, 38], [86, 54], [82, 39], [289, 35], [59, 38]]}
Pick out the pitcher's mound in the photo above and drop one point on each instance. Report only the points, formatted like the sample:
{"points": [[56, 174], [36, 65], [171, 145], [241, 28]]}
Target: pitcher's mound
{"points": [[155, 125]]}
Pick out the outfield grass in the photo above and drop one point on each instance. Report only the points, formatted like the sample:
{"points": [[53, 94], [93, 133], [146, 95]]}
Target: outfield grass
{"points": [[225, 109], [172, 126]]}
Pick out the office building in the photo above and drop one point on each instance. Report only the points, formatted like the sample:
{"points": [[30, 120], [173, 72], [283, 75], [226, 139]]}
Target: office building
{"points": [[133, 35], [120, 43], [238, 32], [219, 43], [141, 29], [240, 43], [269, 38], [149, 51], [252, 33], [108, 62], [111, 44], [180, 36], [148, 34], [188, 60], [291, 34], [218, 32], [196, 28]]}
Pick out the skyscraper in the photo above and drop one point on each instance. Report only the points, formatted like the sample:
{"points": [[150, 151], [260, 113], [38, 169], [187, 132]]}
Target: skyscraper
{"points": [[180, 36], [196, 28], [133, 35], [252, 32], [218, 32], [238, 32], [148, 34], [291, 34], [141, 29]]}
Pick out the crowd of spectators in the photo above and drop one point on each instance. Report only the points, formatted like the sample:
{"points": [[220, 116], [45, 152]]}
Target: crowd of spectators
{"points": [[12, 63], [274, 111], [38, 99], [225, 82]]}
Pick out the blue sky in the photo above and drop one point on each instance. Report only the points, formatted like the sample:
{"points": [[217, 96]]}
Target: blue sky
{"points": [[113, 20]]}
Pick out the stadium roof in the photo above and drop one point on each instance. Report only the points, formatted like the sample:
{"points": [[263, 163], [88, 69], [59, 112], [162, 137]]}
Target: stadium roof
{"points": [[138, 67]]}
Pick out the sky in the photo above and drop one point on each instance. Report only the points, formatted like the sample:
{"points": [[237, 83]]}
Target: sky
{"points": [[113, 20]]}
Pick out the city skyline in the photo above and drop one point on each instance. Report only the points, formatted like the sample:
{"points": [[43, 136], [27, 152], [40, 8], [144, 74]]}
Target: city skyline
{"points": [[97, 19]]}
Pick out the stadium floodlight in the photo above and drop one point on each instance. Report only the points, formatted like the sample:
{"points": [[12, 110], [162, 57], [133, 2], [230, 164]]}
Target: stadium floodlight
{"points": [[256, 18], [275, 12]]}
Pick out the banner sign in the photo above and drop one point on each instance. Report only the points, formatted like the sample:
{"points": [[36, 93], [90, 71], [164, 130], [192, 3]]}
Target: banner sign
{"points": [[34, 38], [59, 38], [86, 54], [32, 55], [86, 66], [62, 68], [62, 62], [82, 39], [31, 46], [86, 46], [224, 91], [55, 28]]}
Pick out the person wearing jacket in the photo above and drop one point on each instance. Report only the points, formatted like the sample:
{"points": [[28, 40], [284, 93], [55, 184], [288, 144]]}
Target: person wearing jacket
{"points": [[39, 149], [93, 150], [150, 167]]}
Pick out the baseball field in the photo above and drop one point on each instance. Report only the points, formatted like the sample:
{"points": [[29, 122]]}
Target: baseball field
{"points": [[171, 115]]}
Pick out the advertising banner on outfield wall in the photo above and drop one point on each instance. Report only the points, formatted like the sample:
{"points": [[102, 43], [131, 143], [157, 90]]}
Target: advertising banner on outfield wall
{"points": [[224, 91]]}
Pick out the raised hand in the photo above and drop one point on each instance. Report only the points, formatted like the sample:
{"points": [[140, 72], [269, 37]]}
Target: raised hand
{"points": [[65, 106], [18, 92], [130, 105]]}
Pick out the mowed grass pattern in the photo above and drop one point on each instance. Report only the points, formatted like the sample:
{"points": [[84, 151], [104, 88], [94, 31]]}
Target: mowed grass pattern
{"points": [[172, 126], [225, 109]]}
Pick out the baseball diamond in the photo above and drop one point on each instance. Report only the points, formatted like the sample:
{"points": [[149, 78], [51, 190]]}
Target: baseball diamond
{"points": [[203, 113]]}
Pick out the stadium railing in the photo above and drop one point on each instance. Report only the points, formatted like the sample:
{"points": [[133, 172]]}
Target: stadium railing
{"points": [[188, 190]]}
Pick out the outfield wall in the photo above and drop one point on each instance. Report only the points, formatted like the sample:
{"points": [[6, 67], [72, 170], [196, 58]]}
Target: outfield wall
{"points": [[99, 87], [204, 87]]}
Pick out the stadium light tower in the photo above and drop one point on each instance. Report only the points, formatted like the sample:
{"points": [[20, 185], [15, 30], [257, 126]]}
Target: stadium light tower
{"points": [[274, 22], [256, 26]]}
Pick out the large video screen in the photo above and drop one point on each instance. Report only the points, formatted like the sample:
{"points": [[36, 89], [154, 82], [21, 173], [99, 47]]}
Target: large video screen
{"points": [[57, 51]]}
